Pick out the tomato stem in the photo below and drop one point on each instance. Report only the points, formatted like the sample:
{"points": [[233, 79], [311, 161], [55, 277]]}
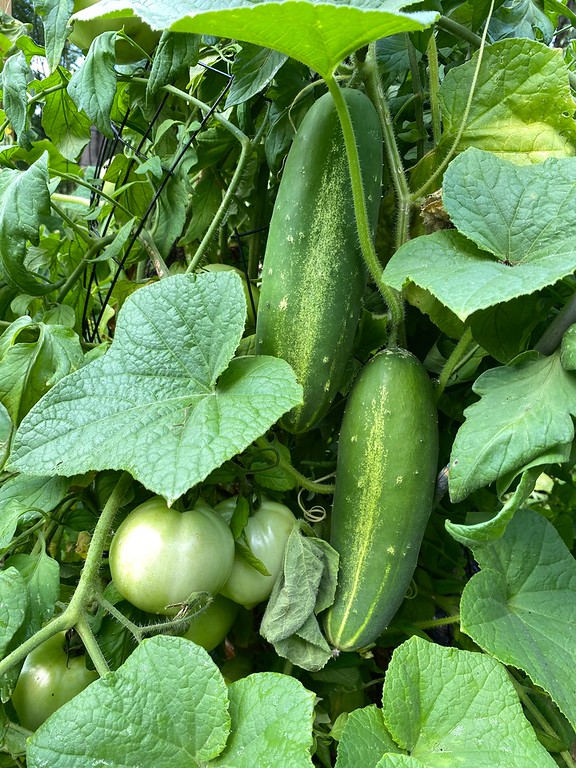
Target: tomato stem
{"points": [[91, 644], [86, 589]]}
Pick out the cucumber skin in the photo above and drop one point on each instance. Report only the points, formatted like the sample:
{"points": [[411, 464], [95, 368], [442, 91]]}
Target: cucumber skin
{"points": [[385, 480], [313, 276]]}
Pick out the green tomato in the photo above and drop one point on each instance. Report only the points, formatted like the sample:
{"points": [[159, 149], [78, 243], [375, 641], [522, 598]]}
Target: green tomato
{"points": [[84, 32], [251, 310], [49, 678], [266, 532], [211, 626], [159, 557]]}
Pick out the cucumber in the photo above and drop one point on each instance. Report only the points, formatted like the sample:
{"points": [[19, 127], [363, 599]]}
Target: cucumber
{"points": [[385, 478], [313, 275]]}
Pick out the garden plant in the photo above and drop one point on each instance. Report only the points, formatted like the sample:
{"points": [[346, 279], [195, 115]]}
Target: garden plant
{"points": [[288, 384]]}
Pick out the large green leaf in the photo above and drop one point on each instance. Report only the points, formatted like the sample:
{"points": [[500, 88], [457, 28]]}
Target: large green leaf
{"points": [[522, 106], [521, 607], [272, 717], [320, 33], [166, 402], [524, 411], [166, 706], [515, 234], [365, 739], [447, 709], [169, 707]]}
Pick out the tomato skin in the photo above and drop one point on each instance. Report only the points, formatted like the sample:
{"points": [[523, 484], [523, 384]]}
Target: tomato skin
{"points": [[266, 532], [49, 678], [84, 32], [159, 557], [210, 627]]}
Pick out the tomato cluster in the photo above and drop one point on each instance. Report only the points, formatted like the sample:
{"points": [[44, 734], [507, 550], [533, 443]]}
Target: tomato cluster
{"points": [[160, 559]]}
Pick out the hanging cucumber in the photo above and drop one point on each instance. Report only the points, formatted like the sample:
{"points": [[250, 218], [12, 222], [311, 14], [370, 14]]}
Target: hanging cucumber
{"points": [[385, 477], [313, 276]]}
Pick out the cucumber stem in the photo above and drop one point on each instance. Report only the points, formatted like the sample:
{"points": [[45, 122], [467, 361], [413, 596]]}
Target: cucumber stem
{"points": [[302, 480], [369, 73], [391, 297], [539, 718]]}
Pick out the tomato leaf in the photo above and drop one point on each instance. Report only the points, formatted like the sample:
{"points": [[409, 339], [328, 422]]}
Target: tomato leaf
{"points": [[521, 607], [31, 367], [304, 588], [14, 605], [524, 411], [176, 52], [166, 402], [319, 33], [26, 495]]}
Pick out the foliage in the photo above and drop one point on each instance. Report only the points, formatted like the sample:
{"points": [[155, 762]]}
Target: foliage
{"points": [[128, 369]]}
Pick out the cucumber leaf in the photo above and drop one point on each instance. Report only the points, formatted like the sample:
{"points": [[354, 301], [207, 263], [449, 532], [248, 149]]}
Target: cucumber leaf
{"points": [[166, 402], [320, 33]]}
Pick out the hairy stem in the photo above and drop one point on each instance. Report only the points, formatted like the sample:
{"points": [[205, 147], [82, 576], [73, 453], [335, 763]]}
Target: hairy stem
{"points": [[371, 79], [86, 590], [391, 297]]}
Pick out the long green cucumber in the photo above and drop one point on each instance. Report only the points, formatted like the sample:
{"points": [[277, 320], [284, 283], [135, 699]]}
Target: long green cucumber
{"points": [[385, 478], [313, 276]]}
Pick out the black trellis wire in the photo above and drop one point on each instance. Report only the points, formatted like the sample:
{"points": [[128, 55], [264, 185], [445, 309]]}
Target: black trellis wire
{"points": [[108, 149]]}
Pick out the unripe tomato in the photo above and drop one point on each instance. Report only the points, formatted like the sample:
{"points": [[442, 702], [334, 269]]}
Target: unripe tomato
{"points": [[159, 557], [49, 678], [266, 532], [210, 627], [84, 32]]}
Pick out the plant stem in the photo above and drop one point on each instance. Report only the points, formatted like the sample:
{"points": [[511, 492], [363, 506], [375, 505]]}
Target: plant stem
{"points": [[371, 79], [92, 647], [434, 87], [419, 94], [552, 336], [80, 231], [70, 199], [392, 298], [432, 623], [540, 719], [86, 591], [80, 268], [460, 31], [303, 481], [458, 353], [454, 148]]}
